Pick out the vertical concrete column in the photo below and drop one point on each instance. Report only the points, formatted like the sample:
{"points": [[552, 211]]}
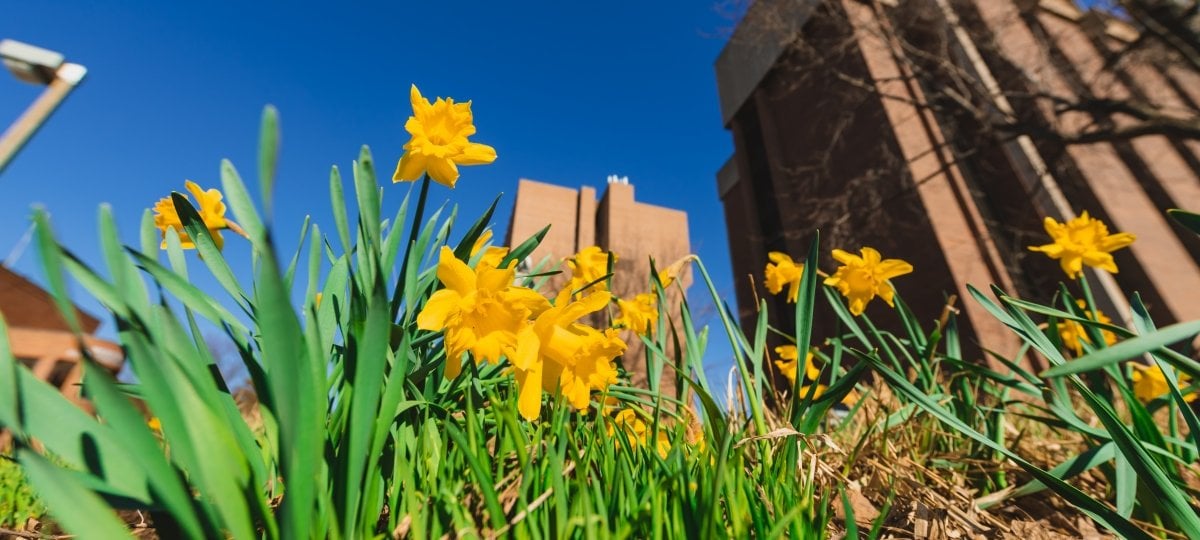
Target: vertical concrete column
{"points": [[536, 206], [585, 225], [635, 232], [623, 229], [1157, 250], [957, 224]]}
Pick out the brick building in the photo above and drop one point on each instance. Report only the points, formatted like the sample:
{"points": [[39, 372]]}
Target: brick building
{"points": [[844, 119], [43, 342], [634, 231]]}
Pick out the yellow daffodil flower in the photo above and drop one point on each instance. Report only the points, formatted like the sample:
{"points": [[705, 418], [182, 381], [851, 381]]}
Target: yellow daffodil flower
{"points": [[480, 310], [849, 400], [1149, 383], [1081, 241], [783, 271], [1072, 332], [667, 277], [569, 357], [438, 143], [662, 444], [639, 314], [860, 279], [492, 255], [588, 266], [629, 424], [788, 365], [816, 393], [208, 205], [674, 271], [788, 361]]}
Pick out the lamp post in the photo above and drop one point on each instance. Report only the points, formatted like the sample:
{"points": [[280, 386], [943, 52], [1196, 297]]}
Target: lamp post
{"points": [[37, 66]]}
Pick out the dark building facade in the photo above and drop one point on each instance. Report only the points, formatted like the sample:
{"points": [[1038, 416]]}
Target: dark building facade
{"points": [[843, 119]]}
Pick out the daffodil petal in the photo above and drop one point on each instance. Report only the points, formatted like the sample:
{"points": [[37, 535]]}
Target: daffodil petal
{"points": [[454, 273], [437, 309], [453, 364], [410, 167], [420, 105], [886, 293], [778, 257], [892, 268], [476, 154], [589, 304], [529, 388], [526, 353], [1117, 241], [845, 257], [493, 278], [442, 171]]}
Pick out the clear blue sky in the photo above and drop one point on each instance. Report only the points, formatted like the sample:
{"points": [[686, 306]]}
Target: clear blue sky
{"points": [[566, 92]]}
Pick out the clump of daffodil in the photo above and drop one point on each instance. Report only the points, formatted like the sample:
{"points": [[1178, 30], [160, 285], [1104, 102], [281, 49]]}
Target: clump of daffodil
{"points": [[481, 312], [639, 315], [860, 279], [492, 255], [635, 431], [438, 143], [1149, 383], [1082, 241], [1074, 335], [569, 357], [484, 314], [208, 205], [783, 271], [789, 362], [587, 266], [556, 353]]}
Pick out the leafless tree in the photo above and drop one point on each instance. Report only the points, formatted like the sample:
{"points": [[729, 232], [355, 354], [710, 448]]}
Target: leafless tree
{"points": [[1138, 79], [1099, 106]]}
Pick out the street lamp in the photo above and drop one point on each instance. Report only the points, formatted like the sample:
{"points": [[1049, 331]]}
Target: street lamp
{"points": [[37, 66]]}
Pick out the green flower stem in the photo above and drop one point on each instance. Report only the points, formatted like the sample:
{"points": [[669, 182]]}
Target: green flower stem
{"points": [[1087, 293], [1097, 338], [414, 230], [760, 423]]}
